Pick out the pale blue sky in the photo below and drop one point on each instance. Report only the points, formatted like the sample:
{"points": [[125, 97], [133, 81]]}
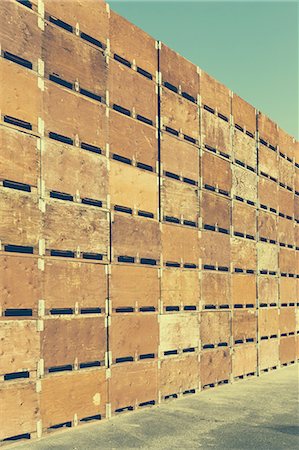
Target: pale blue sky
{"points": [[251, 46]]}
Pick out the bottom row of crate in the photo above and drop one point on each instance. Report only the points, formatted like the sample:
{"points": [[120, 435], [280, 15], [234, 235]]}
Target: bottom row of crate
{"points": [[31, 408]]}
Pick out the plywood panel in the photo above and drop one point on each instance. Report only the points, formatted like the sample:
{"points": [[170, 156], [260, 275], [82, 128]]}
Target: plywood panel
{"points": [[179, 200], [215, 288], [216, 132], [268, 289], [83, 393], [287, 260], [268, 161], [268, 193], [243, 254], [267, 256], [268, 322], [268, 130], [287, 320], [244, 324], [244, 360], [178, 331], [243, 289], [243, 114], [215, 327], [180, 244], [286, 172], [178, 375], [286, 201], [287, 349], [244, 183], [215, 366], [214, 94], [216, 172], [287, 289], [286, 231], [244, 218], [244, 148], [268, 353], [180, 287], [267, 225], [215, 249], [215, 210], [287, 144]]}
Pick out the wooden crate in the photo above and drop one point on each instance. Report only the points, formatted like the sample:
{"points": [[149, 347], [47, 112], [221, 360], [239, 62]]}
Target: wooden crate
{"points": [[180, 244], [19, 157], [267, 256], [87, 175], [286, 172], [179, 115], [244, 114], [215, 328], [73, 340], [244, 360], [74, 286], [178, 375], [287, 144], [287, 349], [244, 184], [20, 96], [214, 94], [268, 194], [216, 133], [132, 44], [140, 93], [286, 202], [136, 237], [74, 227], [268, 162], [178, 332], [92, 21], [19, 346], [268, 289], [244, 325], [25, 44], [216, 173], [244, 219], [215, 366], [243, 289], [133, 140], [73, 396], [74, 117], [20, 284], [134, 288], [287, 290], [268, 322], [287, 260], [74, 61], [286, 231], [179, 200], [267, 225], [215, 289], [287, 320], [215, 210], [214, 249], [268, 353], [19, 411], [179, 73], [179, 158], [180, 289], [243, 254], [244, 148], [133, 188], [21, 218], [133, 336], [268, 130], [133, 385]]}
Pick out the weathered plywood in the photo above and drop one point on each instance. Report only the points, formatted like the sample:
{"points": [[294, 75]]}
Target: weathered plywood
{"points": [[19, 410], [73, 60], [216, 172], [20, 96], [286, 172], [286, 202], [177, 375], [243, 289], [83, 393], [140, 92], [268, 193], [216, 132], [244, 183], [132, 139], [287, 290], [215, 288], [244, 324], [70, 284], [179, 200], [133, 188], [86, 174], [244, 218], [180, 287], [268, 130], [20, 218], [287, 260], [215, 249], [179, 114], [178, 331], [70, 339], [134, 287], [268, 161], [135, 236], [19, 158], [178, 71], [268, 353], [244, 360], [71, 115], [180, 244], [132, 384], [287, 144], [267, 256], [71, 226], [215, 327], [268, 322], [93, 20], [244, 148], [214, 94], [267, 225], [215, 210], [287, 349], [132, 335], [286, 231], [132, 43], [287, 320], [268, 289], [243, 114], [179, 157], [215, 366], [243, 254]]}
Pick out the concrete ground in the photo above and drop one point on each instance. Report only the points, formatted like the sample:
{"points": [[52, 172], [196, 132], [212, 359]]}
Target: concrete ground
{"points": [[257, 413]]}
